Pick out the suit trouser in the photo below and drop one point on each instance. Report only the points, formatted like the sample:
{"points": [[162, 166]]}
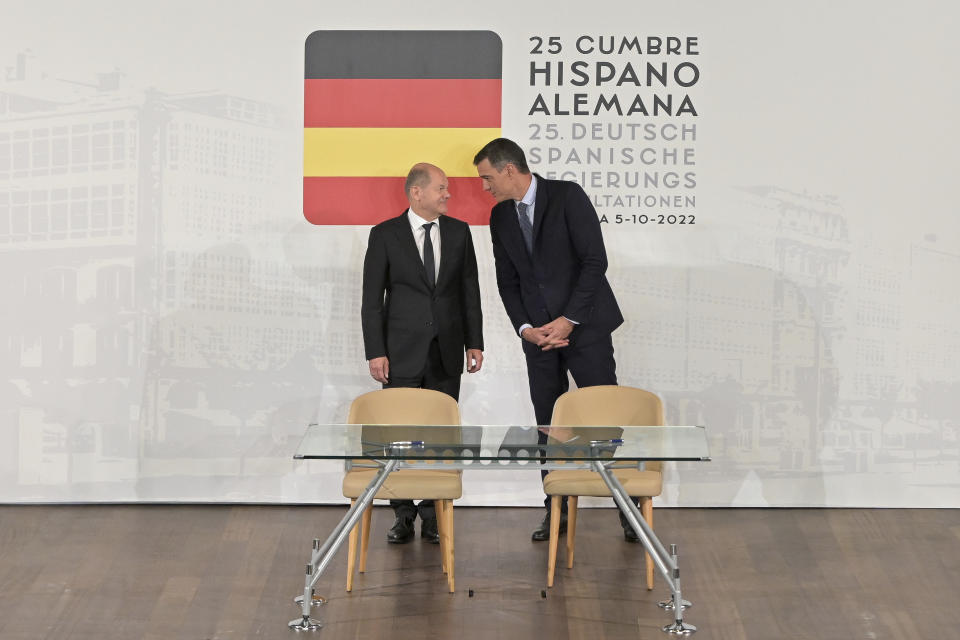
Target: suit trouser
{"points": [[436, 378], [590, 364]]}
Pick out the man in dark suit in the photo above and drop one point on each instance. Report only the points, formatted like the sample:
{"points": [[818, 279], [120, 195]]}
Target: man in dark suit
{"points": [[550, 263], [421, 309]]}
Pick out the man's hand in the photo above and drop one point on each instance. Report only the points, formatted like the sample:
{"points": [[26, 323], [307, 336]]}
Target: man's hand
{"points": [[540, 337], [474, 360], [380, 369], [555, 334], [534, 335]]}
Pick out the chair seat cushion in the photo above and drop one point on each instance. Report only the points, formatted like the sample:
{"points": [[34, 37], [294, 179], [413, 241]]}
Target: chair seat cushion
{"points": [[406, 484], [581, 482]]}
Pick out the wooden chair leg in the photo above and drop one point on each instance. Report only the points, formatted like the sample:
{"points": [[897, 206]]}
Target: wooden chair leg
{"points": [[571, 528], [554, 537], [646, 507], [439, 507], [351, 553], [365, 537], [448, 532]]}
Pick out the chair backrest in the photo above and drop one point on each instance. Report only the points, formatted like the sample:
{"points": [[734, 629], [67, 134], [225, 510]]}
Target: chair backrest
{"points": [[404, 406], [609, 405]]}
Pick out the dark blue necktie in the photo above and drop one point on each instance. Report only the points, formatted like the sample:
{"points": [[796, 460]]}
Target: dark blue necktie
{"points": [[526, 227]]}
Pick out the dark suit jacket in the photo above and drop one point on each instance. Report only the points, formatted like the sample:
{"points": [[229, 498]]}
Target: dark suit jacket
{"points": [[565, 274], [401, 314]]}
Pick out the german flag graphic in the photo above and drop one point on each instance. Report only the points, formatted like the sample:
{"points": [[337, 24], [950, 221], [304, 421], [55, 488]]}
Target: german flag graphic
{"points": [[377, 102]]}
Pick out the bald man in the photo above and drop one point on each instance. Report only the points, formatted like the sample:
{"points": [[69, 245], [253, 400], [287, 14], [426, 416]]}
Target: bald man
{"points": [[421, 309]]}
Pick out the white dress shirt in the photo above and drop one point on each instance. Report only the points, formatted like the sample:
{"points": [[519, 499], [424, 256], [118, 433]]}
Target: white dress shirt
{"points": [[529, 198], [416, 224]]}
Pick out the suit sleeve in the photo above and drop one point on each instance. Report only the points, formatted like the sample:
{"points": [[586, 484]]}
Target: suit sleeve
{"points": [[470, 291], [372, 311], [508, 280], [587, 239]]}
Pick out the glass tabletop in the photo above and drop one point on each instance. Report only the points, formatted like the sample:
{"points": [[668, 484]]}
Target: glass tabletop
{"points": [[503, 443]]}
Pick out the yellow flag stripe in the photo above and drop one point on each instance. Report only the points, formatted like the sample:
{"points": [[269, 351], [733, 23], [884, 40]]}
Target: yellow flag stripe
{"points": [[377, 152]]}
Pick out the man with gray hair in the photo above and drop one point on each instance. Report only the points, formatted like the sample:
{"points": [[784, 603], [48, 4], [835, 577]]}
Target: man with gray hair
{"points": [[421, 311]]}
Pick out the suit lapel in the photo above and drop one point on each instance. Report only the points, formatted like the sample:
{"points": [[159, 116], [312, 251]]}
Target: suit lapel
{"points": [[512, 237], [446, 246], [539, 210], [409, 245]]}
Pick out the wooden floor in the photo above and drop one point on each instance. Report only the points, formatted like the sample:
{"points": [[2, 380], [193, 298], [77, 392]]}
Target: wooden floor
{"points": [[98, 572]]}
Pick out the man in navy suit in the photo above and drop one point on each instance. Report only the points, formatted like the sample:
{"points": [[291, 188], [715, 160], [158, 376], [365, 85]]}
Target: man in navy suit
{"points": [[421, 309], [550, 263]]}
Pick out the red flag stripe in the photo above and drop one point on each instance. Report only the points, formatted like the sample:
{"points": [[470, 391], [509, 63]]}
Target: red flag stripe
{"points": [[419, 103], [346, 201]]}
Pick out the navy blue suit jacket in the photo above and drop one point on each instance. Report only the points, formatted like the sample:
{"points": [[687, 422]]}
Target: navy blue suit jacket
{"points": [[565, 276]]}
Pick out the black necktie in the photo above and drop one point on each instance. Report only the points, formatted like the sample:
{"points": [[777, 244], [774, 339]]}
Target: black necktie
{"points": [[428, 263], [525, 226]]}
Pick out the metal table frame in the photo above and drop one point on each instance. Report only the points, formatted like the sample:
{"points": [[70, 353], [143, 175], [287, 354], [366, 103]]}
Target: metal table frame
{"points": [[667, 563]]}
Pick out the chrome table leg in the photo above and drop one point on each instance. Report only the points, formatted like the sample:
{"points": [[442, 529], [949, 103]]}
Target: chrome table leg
{"points": [[666, 563], [323, 554]]}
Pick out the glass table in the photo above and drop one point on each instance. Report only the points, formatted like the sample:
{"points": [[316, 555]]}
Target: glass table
{"points": [[598, 448]]}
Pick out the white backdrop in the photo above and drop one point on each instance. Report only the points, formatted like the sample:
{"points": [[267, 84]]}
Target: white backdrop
{"points": [[170, 321]]}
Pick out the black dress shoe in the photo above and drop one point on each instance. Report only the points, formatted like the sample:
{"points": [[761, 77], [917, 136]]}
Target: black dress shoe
{"points": [[542, 532], [428, 531], [628, 533], [402, 531]]}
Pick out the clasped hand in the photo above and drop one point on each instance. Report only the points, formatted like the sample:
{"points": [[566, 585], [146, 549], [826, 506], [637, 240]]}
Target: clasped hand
{"points": [[553, 335]]}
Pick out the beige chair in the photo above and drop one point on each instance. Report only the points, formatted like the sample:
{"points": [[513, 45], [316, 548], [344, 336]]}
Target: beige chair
{"points": [[413, 407], [602, 405]]}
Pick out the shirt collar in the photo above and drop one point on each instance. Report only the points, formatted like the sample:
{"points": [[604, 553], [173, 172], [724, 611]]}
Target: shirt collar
{"points": [[417, 222], [530, 196]]}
